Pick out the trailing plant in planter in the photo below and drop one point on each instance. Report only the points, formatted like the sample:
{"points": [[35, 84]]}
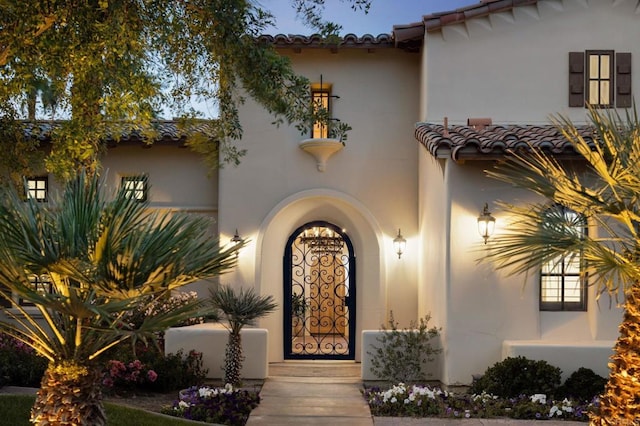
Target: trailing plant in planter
{"points": [[242, 307]]}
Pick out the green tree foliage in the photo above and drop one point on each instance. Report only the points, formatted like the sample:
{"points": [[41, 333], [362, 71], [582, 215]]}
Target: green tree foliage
{"points": [[114, 65], [604, 188], [104, 254]]}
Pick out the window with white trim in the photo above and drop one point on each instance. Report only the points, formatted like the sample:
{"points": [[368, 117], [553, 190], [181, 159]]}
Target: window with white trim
{"points": [[563, 279]]}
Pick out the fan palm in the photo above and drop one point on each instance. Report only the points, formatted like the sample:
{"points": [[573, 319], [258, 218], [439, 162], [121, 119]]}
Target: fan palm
{"points": [[242, 307], [605, 189], [103, 254]]}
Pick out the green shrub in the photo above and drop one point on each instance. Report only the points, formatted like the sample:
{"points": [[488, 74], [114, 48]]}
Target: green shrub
{"points": [[403, 353], [583, 384], [518, 376], [149, 369], [19, 364]]}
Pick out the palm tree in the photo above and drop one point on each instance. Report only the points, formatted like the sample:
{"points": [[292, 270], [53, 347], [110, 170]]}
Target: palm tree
{"points": [[102, 254], [241, 308], [605, 190]]}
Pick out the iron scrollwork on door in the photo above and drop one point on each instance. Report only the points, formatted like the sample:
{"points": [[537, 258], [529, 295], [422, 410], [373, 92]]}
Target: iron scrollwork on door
{"points": [[319, 290]]}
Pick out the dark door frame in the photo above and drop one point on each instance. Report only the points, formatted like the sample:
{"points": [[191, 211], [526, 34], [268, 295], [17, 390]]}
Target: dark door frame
{"points": [[350, 300]]}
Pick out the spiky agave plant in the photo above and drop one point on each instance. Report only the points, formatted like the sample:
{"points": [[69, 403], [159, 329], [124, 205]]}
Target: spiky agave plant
{"points": [[241, 307], [104, 254], [606, 191]]}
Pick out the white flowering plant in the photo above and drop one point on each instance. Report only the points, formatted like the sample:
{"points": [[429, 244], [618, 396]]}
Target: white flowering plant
{"points": [[221, 405], [403, 400]]}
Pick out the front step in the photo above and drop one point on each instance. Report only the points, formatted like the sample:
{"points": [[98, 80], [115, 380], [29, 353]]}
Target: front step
{"points": [[314, 368]]}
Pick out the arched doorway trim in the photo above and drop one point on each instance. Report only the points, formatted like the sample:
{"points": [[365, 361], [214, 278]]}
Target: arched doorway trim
{"points": [[364, 232]]}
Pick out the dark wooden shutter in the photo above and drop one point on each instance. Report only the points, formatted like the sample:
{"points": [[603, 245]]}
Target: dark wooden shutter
{"points": [[576, 79], [623, 80]]}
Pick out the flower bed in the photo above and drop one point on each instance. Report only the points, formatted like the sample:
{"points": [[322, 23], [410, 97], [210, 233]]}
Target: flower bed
{"points": [[422, 401], [225, 405]]}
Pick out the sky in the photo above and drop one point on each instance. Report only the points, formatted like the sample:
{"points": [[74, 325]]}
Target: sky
{"points": [[382, 16]]}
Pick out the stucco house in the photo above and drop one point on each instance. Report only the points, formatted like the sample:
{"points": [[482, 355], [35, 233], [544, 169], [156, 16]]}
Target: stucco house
{"points": [[431, 106]]}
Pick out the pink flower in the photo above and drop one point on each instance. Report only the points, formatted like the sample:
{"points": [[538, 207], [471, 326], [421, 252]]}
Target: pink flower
{"points": [[107, 382], [152, 375]]}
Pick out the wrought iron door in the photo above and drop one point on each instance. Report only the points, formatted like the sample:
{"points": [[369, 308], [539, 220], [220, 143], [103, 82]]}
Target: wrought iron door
{"points": [[319, 294]]}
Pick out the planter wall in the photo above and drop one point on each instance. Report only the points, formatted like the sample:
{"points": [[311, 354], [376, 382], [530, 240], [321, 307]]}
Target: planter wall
{"points": [[211, 340]]}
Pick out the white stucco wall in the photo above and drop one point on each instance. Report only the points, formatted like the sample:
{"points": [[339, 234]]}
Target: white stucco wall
{"points": [[369, 188], [513, 66], [486, 307]]}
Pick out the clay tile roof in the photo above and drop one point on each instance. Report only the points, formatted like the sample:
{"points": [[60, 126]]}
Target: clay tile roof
{"points": [[167, 131], [494, 141], [411, 36], [366, 41]]}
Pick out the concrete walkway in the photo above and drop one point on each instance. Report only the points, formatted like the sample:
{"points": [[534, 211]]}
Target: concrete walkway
{"points": [[312, 393]]}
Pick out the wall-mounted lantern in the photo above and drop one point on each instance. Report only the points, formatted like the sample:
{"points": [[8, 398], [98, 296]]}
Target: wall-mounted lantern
{"points": [[399, 244], [486, 223]]}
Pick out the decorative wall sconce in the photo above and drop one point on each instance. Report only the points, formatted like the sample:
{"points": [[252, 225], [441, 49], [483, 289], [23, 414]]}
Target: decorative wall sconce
{"points": [[235, 240], [486, 223], [399, 243]]}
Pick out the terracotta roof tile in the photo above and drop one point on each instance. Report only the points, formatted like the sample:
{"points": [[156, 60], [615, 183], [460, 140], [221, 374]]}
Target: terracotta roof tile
{"points": [[167, 131], [412, 35], [494, 141], [367, 41]]}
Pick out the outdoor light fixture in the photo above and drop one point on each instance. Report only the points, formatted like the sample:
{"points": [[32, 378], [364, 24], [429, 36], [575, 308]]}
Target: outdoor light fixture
{"points": [[322, 240], [399, 243], [486, 223], [236, 238]]}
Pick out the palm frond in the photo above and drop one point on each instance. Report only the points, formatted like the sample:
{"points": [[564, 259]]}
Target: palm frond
{"points": [[604, 188], [103, 253], [241, 307]]}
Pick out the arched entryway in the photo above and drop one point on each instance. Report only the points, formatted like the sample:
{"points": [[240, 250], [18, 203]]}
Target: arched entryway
{"points": [[319, 293]]}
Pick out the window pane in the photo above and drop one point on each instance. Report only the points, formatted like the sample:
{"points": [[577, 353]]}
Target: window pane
{"points": [[594, 97], [572, 292], [593, 66], [320, 99], [572, 265], [604, 66], [604, 93], [551, 290]]}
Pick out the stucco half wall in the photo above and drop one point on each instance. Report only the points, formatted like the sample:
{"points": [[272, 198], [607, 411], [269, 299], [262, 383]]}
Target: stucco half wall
{"points": [[361, 227]]}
